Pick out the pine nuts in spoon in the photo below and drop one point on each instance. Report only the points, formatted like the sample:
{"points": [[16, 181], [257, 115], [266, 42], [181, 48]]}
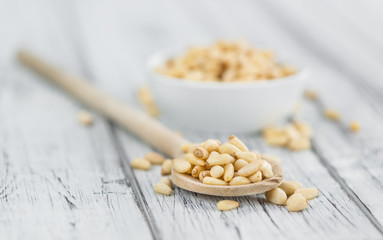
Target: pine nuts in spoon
{"points": [[224, 167]]}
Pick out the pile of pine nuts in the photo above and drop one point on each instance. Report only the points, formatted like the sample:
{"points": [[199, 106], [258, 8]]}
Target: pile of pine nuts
{"points": [[230, 163], [295, 136], [226, 61], [291, 194]]}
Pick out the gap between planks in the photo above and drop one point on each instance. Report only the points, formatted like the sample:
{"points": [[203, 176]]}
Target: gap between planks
{"points": [[128, 172]]}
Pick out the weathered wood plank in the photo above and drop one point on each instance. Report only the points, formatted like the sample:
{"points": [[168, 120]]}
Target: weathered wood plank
{"points": [[58, 180], [355, 157], [185, 214]]}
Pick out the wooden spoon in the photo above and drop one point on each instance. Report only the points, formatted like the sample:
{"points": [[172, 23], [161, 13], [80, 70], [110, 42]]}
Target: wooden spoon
{"points": [[142, 126]]}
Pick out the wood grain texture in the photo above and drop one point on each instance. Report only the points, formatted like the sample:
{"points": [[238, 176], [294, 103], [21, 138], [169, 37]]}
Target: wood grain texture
{"points": [[60, 180], [183, 203]]}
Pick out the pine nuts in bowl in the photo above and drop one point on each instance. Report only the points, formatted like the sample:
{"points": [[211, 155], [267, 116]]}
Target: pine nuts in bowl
{"points": [[258, 93]]}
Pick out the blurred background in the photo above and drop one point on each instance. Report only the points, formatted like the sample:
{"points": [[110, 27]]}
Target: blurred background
{"points": [[109, 42]]}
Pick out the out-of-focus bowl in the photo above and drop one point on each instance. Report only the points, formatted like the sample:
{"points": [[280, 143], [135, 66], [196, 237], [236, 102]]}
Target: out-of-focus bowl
{"points": [[224, 106]]}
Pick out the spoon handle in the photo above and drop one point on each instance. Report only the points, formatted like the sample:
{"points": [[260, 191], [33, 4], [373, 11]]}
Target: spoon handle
{"points": [[136, 122]]}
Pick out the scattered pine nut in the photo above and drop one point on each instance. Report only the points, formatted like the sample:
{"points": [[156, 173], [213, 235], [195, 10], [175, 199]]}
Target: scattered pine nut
{"points": [[290, 187], [217, 171], [166, 168], [299, 144], [296, 202], [296, 136], [276, 196], [226, 205], [146, 99], [167, 181], [162, 188], [311, 94], [332, 114], [155, 158], [308, 193], [85, 118], [140, 163], [354, 126]]}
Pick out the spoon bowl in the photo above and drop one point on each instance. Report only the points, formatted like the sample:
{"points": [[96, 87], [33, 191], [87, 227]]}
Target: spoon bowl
{"points": [[192, 184]]}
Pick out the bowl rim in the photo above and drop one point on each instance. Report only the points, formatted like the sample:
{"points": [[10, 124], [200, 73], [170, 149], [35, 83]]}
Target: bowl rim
{"points": [[158, 57]]}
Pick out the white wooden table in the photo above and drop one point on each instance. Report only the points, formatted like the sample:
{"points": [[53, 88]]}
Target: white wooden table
{"points": [[59, 180]]}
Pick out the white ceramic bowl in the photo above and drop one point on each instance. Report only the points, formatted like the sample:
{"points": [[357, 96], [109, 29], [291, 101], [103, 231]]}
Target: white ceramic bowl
{"points": [[224, 107]]}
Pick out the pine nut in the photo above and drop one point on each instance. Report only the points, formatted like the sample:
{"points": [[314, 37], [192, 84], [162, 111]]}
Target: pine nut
{"points": [[240, 163], [250, 169], [140, 163], [228, 148], [219, 159], [239, 180], [332, 114], [238, 143], [210, 145], [216, 171], [290, 187], [167, 181], [311, 94], [197, 170], [276, 196], [304, 128], [271, 158], [166, 168], [181, 165], [155, 158], [190, 169], [85, 118], [194, 160], [308, 193], [213, 181], [204, 174], [256, 177], [354, 126], [292, 132], [296, 202], [201, 153], [162, 188], [299, 144], [247, 156], [226, 205], [266, 169], [229, 172]]}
